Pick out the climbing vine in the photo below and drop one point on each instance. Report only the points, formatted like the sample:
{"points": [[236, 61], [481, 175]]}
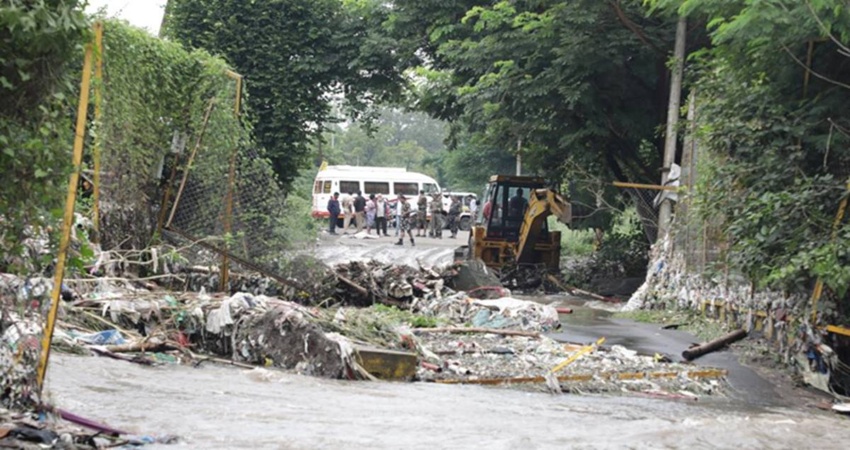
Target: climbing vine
{"points": [[156, 97], [39, 43]]}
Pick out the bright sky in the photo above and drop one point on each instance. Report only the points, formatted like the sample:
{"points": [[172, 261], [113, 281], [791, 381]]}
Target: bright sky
{"points": [[141, 13]]}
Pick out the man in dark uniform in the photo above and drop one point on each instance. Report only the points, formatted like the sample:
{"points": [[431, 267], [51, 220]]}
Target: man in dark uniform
{"points": [[360, 211], [333, 211]]}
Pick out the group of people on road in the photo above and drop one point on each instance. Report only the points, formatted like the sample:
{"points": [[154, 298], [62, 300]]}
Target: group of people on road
{"points": [[367, 214], [376, 212]]}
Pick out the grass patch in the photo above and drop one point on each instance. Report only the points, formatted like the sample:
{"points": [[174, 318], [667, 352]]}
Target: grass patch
{"points": [[688, 320], [573, 242]]}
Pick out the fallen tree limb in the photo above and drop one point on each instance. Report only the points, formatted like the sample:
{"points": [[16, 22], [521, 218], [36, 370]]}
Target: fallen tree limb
{"points": [[357, 287], [112, 325], [574, 290], [140, 346], [455, 330], [691, 374], [138, 359], [127, 279], [200, 359]]}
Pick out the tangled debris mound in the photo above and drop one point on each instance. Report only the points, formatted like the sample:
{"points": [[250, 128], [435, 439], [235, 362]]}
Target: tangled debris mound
{"points": [[285, 337], [455, 337], [495, 359]]}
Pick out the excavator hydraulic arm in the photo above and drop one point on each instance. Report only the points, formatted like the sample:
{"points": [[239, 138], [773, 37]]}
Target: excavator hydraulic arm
{"points": [[542, 203]]}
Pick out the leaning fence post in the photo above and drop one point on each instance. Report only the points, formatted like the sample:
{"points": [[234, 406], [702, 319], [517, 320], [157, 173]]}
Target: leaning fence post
{"points": [[189, 163], [231, 178], [68, 219]]}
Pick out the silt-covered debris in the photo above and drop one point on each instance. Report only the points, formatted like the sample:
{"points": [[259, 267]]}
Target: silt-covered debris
{"points": [[453, 336]]}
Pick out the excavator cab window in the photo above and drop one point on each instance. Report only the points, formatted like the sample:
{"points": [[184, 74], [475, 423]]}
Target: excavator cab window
{"points": [[504, 209]]}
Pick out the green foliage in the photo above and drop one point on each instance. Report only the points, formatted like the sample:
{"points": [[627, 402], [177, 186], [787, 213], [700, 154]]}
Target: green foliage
{"points": [[39, 42], [295, 55], [623, 252], [297, 221], [776, 142], [153, 90], [398, 316], [574, 243], [395, 139], [571, 80]]}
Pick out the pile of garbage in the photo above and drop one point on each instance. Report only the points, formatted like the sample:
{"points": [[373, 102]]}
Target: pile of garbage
{"points": [[538, 362], [45, 430], [488, 337]]}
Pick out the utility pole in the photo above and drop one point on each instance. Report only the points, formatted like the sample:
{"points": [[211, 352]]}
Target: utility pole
{"points": [[666, 211], [519, 156]]}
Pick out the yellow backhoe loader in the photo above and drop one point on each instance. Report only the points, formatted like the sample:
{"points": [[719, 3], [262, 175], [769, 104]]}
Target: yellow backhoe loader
{"points": [[511, 226]]}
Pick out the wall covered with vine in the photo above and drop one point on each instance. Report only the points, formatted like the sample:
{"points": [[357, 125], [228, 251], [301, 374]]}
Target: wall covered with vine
{"points": [[156, 96]]}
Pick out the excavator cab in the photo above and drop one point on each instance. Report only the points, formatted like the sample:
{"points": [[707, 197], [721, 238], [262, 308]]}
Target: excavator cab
{"points": [[511, 227]]}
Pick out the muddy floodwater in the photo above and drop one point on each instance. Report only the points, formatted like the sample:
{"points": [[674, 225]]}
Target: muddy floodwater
{"points": [[216, 407]]}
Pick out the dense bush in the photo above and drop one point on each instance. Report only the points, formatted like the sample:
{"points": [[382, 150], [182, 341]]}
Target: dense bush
{"points": [[39, 45]]}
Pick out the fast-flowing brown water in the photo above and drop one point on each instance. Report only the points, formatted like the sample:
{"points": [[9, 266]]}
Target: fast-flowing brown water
{"points": [[214, 407]]}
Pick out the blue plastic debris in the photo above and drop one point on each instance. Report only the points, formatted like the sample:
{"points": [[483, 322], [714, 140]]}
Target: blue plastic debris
{"points": [[106, 337]]}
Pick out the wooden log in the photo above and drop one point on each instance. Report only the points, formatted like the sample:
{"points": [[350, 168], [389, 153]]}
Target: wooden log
{"points": [[139, 346], [708, 347], [360, 289], [138, 359], [455, 330]]}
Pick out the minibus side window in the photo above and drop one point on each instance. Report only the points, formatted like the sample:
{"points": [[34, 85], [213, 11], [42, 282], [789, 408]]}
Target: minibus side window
{"points": [[347, 187], [406, 188], [327, 187], [375, 187]]}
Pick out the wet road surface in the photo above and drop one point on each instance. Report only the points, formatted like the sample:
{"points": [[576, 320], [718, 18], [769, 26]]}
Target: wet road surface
{"points": [[586, 325]]}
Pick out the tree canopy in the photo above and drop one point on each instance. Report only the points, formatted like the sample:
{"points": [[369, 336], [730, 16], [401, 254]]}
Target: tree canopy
{"points": [[579, 81], [296, 56]]}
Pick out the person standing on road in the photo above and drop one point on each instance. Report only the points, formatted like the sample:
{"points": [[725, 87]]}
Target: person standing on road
{"points": [[397, 216], [405, 220], [422, 215], [347, 211], [360, 211], [370, 213], [382, 211], [436, 216], [473, 207], [454, 215], [333, 211]]}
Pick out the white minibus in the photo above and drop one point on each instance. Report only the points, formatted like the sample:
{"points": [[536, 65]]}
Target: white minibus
{"points": [[388, 181]]}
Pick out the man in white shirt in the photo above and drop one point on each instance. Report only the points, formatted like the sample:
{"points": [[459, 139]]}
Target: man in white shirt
{"points": [[382, 210], [398, 205]]}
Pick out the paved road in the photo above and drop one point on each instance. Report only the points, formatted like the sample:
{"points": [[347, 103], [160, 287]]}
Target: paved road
{"points": [[427, 252], [588, 324]]}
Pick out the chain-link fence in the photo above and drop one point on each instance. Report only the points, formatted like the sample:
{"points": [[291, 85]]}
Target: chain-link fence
{"points": [[234, 207], [644, 201]]}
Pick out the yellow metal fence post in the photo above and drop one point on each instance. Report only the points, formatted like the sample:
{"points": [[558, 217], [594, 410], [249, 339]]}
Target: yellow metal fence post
{"points": [[67, 223]]}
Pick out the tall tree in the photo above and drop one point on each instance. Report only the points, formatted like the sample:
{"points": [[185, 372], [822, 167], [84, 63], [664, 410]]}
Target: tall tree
{"points": [[576, 81], [295, 56], [774, 135]]}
